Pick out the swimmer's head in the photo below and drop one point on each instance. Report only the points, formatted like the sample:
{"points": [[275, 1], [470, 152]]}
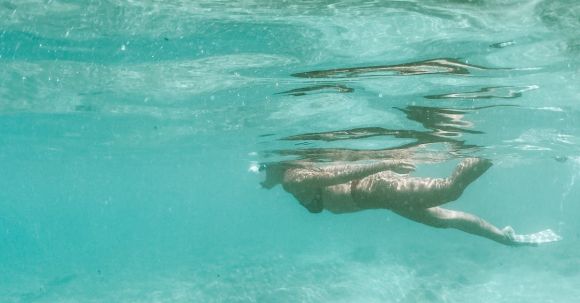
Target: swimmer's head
{"points": [[273, 174]]}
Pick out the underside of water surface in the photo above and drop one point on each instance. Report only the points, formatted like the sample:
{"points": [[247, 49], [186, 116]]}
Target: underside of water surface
{"points": [[131, 133]]}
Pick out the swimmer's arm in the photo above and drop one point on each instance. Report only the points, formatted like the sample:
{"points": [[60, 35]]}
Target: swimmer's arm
{"points": [[338, 174]]}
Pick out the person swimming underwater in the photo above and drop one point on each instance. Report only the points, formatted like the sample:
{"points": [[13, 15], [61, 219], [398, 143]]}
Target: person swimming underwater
{"points": [[346, 188]]}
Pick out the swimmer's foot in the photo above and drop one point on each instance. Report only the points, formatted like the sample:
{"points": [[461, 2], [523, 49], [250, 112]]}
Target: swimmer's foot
{"points": [[470, 169], [535, 239]]}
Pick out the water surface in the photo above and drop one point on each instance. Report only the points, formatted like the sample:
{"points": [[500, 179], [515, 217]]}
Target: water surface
{"points": [[127, 129]]}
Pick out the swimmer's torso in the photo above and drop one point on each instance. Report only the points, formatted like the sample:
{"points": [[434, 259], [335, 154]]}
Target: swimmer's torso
{"points": [[374, 191], [340, 198]]}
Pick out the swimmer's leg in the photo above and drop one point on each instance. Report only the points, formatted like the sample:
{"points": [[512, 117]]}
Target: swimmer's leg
{"points": [[445, 218], [468, 171]]}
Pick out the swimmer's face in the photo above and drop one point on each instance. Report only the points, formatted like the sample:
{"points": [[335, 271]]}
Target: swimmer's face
{"points": [[271, 175]]}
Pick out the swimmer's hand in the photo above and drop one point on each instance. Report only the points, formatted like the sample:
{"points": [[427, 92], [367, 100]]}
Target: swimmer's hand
{"points": [[402, 167]]}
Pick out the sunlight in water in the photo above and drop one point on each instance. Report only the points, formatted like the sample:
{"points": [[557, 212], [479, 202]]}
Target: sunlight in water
{"points": [[142, 145]]}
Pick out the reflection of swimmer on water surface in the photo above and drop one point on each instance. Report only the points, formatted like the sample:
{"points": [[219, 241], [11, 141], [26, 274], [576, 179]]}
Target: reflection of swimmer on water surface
{"points": [[433, 66], [339, 88], [503, 92], [442, 125], [346, 188]]}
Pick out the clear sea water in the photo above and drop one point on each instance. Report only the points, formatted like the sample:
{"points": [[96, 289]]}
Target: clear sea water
{"points": [[128, 129]]}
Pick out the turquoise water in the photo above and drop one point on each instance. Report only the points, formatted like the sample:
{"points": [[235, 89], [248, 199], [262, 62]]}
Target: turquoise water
{"points": [[128, 130]]}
